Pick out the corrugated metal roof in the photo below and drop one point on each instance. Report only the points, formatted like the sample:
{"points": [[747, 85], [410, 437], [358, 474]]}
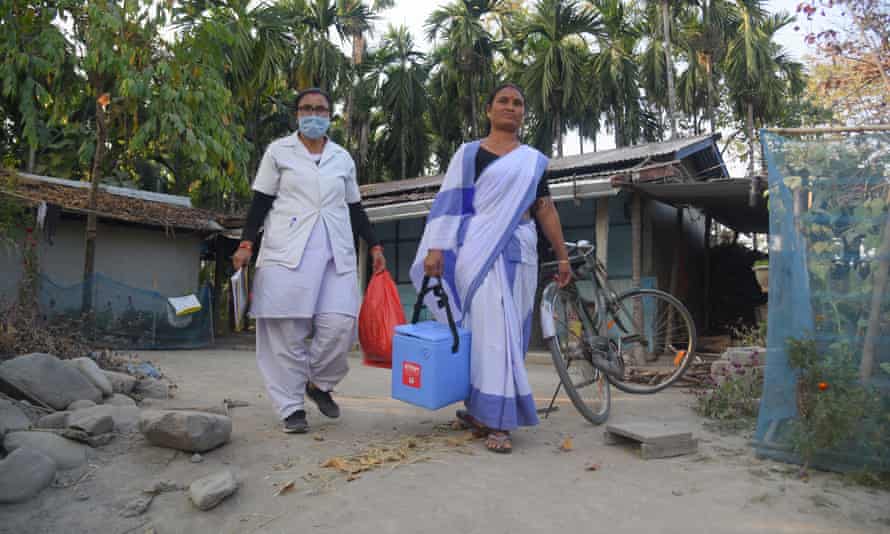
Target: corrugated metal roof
{"points": [[580, 162], [567, 166]]}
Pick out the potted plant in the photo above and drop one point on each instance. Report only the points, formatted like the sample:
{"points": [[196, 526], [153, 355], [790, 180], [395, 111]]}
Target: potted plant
{"points": [[761, 271]]}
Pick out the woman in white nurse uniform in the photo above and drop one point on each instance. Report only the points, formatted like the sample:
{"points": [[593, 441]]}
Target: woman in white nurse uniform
{"points": [[307, 199]]}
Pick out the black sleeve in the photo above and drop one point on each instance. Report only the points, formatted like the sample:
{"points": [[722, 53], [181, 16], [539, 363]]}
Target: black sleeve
{"points": [[259, 208], [361, 225]]}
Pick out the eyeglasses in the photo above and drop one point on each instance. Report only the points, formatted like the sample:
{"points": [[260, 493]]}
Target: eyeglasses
{"points": [[314, 110]]}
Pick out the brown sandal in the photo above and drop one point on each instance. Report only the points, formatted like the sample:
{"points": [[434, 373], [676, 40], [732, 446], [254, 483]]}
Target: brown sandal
{"points": [[465, 421], [499, 442]]}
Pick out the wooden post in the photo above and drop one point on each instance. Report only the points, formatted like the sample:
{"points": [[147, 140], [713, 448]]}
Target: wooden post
{"points": [[679, 241], [636, 243], [706, 320], [602, 231], [219, 282]]}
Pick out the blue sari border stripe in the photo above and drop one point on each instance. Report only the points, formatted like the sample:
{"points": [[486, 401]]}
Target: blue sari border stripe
{"points": [[452, 202], [502, 413]]}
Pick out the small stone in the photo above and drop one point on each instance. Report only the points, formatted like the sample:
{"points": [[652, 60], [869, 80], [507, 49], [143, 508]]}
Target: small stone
{"points": [[188, 431], [91, 422], [152, 388], [65, 453], [100, 440], [81, 495], [197, 458], [12, 419], [54, 420], [126, 418], [46, 379], [119, 400], [209, 491], [24, 474], [164, 486], [94, 374], [677, 493], [81, 405], [137, 506], [121, 382]]}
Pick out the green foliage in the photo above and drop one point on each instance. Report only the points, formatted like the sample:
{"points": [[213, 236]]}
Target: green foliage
{"points": [[198, 88], [833, 404], [736, 397]]}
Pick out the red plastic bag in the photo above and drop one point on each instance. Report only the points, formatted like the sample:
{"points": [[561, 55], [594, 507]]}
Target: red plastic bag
{"points": [[381, 313]]}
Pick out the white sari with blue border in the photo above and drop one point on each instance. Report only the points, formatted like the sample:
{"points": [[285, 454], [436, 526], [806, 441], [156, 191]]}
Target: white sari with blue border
{"points": [[490, 274]]}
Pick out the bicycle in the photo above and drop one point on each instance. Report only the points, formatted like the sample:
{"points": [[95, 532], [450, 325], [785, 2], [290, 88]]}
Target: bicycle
{"points": [[641, 340]]}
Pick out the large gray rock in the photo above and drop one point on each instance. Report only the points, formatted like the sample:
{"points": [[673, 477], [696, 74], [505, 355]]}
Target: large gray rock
{"points": [[93, 423], [94, 374], [126, 418], [119, 400], [185, 430], [54, 420], [66, 453], [80, 405], [23, 474], [46, 379], [12, 419], [209, 491], [152, 388], [121, 382]]}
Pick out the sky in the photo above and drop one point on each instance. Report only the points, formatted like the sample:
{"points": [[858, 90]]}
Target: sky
{"points": [[413, 14]]}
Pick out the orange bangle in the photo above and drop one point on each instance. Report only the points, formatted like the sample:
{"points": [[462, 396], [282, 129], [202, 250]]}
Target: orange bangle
{"points": [[246, 245]]}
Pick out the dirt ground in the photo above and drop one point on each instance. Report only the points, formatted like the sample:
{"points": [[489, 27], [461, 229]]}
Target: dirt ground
{"points": [[441, 481]]}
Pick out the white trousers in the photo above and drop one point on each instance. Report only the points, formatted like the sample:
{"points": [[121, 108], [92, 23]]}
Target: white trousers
{"points": [[288, 361]]}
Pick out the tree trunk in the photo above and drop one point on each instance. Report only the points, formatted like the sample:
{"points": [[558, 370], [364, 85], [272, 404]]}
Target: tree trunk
{"points": [[669, 65], [749, 129], [32, 158], [89, 266], [474, 121], [402, 156], [557, 126], [873, 330]]}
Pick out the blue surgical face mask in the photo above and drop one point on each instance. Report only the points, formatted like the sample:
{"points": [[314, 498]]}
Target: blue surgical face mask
{"points": [[314, 127]]}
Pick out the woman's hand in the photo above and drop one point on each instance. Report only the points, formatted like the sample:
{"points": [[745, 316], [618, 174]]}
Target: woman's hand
{"points": [[433, 264], [564, 276], [379, 261], [242, 256]]}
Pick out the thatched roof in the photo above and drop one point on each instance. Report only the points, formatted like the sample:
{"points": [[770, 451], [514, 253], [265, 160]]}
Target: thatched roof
{"points": [[113, 203]]}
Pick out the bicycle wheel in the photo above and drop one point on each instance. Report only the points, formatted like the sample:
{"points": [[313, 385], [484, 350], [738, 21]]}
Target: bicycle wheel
{"points": [[655, 335], [585, 385]]}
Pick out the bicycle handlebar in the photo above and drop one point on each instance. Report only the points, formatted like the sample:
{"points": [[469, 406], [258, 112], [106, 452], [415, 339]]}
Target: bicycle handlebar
{"points": [[585, 247]]}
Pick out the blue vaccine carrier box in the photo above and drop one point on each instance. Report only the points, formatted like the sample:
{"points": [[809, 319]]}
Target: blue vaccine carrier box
{"points": [[431, 360]]}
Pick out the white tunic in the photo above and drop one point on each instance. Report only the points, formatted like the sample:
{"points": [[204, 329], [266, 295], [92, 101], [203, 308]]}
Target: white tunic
{"points": [[306, 192]]}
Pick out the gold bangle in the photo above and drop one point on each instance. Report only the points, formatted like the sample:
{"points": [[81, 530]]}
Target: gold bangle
{"points": [[563, 261]]}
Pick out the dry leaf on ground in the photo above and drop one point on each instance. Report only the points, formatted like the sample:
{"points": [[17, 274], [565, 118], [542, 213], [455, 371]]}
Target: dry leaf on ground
{"points": [[286, 487], [567, 445]]}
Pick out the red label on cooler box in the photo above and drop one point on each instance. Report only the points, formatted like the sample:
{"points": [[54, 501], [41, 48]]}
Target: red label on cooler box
{"points": [[411, 375]]}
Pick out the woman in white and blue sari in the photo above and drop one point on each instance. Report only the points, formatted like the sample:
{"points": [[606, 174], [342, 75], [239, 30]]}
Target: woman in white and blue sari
{"points": [[481, 240]]}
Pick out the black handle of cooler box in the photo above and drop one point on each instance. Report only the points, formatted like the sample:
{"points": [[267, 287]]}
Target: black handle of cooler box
{"points": [[439, 293]]}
